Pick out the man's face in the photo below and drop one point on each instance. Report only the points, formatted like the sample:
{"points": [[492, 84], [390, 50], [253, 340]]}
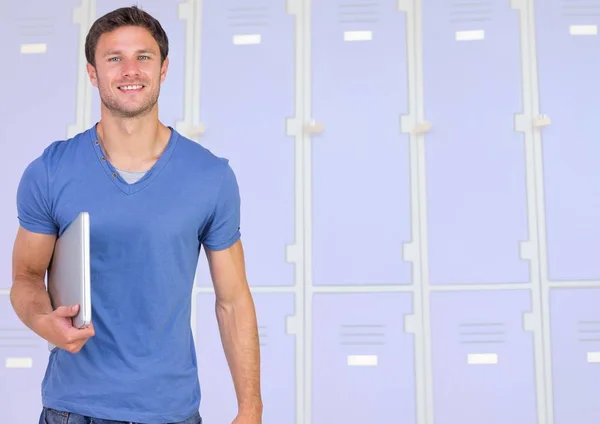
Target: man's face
{"points": [[128, 71]]}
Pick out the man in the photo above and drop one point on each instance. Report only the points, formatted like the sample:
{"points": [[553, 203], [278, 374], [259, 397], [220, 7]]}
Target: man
{"points": [[154, 198]]}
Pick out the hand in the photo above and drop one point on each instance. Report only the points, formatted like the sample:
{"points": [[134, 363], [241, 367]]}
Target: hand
{"points": [[57, 328], [241, 419], [250, 417]]}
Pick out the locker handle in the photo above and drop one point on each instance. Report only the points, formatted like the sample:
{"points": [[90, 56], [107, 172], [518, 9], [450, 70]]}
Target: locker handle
{"points": [[314, 127], [196, 130], [421, 128], [542, 121]]}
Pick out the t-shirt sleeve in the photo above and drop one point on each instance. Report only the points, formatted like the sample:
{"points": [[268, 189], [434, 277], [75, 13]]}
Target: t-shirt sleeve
{"points": [[33, 202], [224, 226]]}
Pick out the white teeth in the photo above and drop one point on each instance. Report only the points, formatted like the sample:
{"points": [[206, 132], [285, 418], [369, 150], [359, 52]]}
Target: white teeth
{"points": [[131, 87]]}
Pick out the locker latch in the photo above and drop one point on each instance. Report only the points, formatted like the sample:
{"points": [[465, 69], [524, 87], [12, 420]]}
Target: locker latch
{"points": [[421, 128], [314, 127], [196, 130], [542, 121]]}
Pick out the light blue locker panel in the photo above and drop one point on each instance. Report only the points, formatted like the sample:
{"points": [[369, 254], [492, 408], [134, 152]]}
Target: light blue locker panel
{"points": [[23, 361], [171, 100], [568, 67], [361, 214], [38, 100], [483, 360], [575, 340], [277, 350], [247, 87], [475, 159], [363, 360]]}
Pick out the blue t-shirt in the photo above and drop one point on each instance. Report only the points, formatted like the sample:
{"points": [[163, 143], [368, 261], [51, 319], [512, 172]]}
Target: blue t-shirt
{"points": [[145, 242]]}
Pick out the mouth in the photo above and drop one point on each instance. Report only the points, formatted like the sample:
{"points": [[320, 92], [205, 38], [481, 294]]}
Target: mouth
{"points": [[131, 88]]}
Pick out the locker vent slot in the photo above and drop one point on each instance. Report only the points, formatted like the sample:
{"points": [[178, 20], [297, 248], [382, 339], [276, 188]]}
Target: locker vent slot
{"points": [[244, 17], [18, 337], [589, 331], [262, 335], [481, 333], [581, 8], [35, 27], [362, 334], [471, 11], [358, 12]]}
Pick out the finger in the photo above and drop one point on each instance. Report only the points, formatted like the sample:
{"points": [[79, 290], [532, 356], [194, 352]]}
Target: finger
{"points": [[76, 334], [89, 329], [67, 311], [73, 347]]}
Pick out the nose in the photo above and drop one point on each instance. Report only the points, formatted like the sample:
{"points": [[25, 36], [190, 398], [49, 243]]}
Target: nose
{"points": [[130, 68]]}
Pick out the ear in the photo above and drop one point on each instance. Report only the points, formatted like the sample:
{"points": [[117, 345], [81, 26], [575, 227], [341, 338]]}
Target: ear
{"points": [[92, 75], [163, 70]]}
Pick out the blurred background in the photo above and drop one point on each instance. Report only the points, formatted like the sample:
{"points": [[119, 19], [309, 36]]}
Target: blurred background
{"points": [[419, 201]]}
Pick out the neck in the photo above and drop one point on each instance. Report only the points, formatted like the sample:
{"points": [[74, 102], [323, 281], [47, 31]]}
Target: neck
{"points": [[133, 144]]}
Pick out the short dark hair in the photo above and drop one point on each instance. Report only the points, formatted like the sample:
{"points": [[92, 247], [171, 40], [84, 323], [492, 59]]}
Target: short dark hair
{"points": [[125, 16]]}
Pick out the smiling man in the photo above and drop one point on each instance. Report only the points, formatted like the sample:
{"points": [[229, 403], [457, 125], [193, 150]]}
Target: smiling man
{"points": [[154, 199]]}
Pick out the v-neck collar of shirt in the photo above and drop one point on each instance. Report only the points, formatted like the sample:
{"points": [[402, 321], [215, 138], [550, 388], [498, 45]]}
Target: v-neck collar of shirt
{"points": [[113, 174]]}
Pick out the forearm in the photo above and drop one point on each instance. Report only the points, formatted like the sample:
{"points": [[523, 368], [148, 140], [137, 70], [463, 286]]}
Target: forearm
{"points": [[30, 300], [239, 335]]}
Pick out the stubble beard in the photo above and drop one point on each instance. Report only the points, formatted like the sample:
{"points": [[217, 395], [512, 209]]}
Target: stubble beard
{"points": [[112, 104]]}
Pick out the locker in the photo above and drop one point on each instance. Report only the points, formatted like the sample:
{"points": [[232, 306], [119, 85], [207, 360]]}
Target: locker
{"points": [[483, 360], [248, 76], [568, 86], [278, 370], [37, 104], [171, 101], [361, 185], [363, 360], [575, 340], [23, 361], [475, 158]]}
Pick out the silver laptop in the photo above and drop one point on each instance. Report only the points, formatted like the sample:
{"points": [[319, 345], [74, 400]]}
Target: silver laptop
{"points": [[69, 270]]}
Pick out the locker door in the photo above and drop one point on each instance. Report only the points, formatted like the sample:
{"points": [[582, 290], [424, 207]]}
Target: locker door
{"points": [[483, 361], [23, 361], [40, 42], [278, 371], [360, 162], [363, 361], [568, 68], [172, 90], [247, 95], [575, 339], [475, 160]]}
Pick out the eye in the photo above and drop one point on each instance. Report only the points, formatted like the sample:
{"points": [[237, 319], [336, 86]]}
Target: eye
{"points": [[112, 59], [144, 57]]}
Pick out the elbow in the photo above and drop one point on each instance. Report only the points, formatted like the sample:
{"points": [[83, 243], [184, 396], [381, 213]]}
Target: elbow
{"points": [[239, 303], [16, 289], [222, 307]]}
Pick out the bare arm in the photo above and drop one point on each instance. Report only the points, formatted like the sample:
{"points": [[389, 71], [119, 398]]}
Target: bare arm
{"points": [[29, 298], [31, 255], [236, 316]]}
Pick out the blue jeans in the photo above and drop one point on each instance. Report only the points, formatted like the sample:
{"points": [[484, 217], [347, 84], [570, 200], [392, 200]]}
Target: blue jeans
{"points": [[52, 416]]}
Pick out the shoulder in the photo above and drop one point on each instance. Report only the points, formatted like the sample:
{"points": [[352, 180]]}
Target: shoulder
{"points": [[57, 155], [35, 198], [198, 158]]}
